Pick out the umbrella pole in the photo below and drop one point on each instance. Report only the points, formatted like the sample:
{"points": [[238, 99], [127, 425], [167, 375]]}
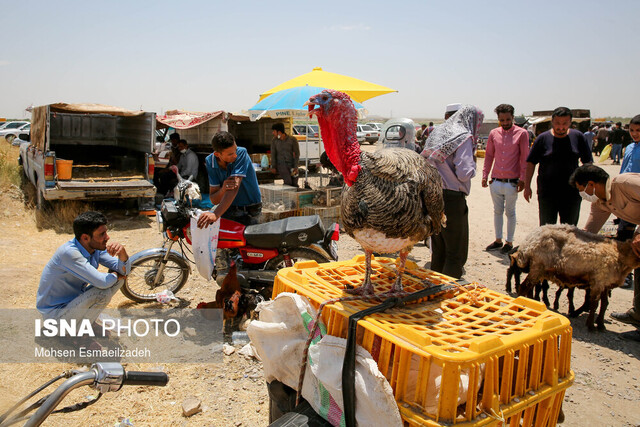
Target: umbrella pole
{"points": [[306, 161]]}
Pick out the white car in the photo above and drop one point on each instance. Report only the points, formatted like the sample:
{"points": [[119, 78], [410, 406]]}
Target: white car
{"points": [[366, 133], [12, 129], [301, 132], [377, 126]]}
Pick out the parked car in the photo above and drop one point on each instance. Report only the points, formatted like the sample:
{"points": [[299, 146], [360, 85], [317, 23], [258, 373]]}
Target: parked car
{"points": [[21, 138], [306, 131], [11, 130], [366, 133], [377, 126]]}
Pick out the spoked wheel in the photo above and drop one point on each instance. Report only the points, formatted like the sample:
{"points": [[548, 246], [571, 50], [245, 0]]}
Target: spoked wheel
{"points": [[297, 254], [139, 286], [9, 138]]}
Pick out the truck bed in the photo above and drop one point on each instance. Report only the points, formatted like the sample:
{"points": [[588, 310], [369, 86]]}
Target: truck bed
{"points": [[100, 173], [95, 181]]}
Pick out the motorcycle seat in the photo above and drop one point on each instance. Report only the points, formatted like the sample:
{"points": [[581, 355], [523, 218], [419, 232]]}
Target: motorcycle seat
{"points": [[290, 232]]}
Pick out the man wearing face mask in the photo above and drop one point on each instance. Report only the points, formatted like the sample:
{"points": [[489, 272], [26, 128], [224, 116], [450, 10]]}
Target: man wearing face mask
{"points": [[285, 153], [188, 163], [557, 151], [619, 196]]}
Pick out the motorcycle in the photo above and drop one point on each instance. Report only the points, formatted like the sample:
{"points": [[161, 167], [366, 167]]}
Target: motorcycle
{"points": [[258, 251]]}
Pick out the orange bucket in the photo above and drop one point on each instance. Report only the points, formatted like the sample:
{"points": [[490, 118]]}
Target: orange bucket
{"points": [[64, 169]]}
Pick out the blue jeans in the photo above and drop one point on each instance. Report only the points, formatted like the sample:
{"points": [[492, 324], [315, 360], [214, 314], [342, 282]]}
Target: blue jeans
{"points": [[504, 196], [616, 150]]}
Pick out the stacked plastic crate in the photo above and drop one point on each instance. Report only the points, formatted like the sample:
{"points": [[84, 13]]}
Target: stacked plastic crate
{"points": [[473, 357], [278, 201], [326, 205]]}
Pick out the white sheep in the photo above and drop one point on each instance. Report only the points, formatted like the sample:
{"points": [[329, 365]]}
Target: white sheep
{"points": [[571, 257]]}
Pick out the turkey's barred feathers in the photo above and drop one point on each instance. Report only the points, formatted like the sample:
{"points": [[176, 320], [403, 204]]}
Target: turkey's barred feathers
{"points": [[402, 192]]}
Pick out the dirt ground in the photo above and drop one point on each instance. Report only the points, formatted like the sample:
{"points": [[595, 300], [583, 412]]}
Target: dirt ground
{"points": [[605, 393]]}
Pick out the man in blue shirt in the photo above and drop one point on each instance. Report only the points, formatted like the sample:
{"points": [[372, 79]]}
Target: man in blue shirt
{"points": [[630, 163], [71, 287], [631, 160], [233, 185], [590, 135]]}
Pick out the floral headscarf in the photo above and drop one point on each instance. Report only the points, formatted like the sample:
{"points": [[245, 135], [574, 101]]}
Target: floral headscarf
{"points": [[447, 137]]}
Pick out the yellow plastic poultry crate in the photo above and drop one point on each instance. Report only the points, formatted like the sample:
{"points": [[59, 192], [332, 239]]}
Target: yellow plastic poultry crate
{"points": [[469, 357]]}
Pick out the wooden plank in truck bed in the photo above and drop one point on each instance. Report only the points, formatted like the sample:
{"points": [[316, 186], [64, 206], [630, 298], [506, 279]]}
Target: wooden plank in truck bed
{"points": [[80, 185]]}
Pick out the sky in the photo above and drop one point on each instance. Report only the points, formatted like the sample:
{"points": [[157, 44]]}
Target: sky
{"points": [[211, 55]]}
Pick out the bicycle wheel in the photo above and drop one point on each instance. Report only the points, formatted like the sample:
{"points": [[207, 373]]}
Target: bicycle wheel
{"points": [[139, 285], [296, 254]]}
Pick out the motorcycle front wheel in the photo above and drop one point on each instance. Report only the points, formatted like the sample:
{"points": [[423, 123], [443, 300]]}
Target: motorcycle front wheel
{"points": [[139, 286], [296, 254]]}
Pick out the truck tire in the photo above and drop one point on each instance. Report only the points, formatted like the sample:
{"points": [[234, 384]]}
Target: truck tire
{"points": [[9, 138], [297, 254], [139, 287]]}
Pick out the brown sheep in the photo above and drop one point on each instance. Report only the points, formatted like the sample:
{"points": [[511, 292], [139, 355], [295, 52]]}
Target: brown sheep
{"points": [[572, 257], [514, 271]]}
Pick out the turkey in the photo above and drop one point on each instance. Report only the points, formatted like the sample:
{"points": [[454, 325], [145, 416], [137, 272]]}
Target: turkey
{"points": [[392, 198]]}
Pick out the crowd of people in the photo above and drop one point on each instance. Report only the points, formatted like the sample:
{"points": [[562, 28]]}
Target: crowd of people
{"points": [[509, 166]]}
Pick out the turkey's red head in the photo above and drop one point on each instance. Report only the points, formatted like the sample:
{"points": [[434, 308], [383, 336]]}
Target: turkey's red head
{"points": [[338, 120]]}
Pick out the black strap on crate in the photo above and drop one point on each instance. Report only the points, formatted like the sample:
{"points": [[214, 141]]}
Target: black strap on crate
{"points": [[349, 363]]}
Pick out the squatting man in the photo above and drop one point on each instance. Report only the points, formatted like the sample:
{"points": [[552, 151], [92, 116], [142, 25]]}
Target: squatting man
{"points": [[71, 287]]}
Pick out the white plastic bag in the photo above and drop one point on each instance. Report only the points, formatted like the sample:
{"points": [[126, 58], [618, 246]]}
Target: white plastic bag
{"points": [[205, 246], [279, 338]]}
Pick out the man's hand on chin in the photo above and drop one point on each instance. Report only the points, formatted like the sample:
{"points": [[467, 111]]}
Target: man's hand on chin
{"points": [[117, 249], [206, 219]]}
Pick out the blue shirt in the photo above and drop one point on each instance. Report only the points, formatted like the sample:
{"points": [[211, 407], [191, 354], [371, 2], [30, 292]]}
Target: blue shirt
{"points": [[72, 271], [249, 192], [631, 161], [589, 135]]}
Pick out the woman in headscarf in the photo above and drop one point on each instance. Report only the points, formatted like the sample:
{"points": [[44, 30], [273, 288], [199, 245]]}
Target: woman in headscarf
{"points": [[450, 148]]}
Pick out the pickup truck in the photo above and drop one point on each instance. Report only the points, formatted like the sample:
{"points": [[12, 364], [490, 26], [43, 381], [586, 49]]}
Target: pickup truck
{"points": [[309, 141], [111, 150]]}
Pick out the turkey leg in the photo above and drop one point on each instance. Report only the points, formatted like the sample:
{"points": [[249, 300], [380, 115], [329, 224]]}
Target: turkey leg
{"points": [[366, 288], [397, 285]]}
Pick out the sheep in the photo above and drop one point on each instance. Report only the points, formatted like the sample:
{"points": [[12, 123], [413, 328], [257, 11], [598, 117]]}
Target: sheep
{"points": [[572, 257], [514, 271]]}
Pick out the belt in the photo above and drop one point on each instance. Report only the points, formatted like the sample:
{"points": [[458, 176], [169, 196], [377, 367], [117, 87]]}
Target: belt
{"points": [[514, 180], [247, 208]]}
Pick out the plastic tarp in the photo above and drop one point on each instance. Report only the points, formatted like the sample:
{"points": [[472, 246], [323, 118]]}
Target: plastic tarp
{"points": [[179, 119], [62, 107], [39, 127]]}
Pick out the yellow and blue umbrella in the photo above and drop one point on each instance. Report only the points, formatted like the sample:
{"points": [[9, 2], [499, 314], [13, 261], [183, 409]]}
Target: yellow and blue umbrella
{"points": [[290, 103], [358, 90]]}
